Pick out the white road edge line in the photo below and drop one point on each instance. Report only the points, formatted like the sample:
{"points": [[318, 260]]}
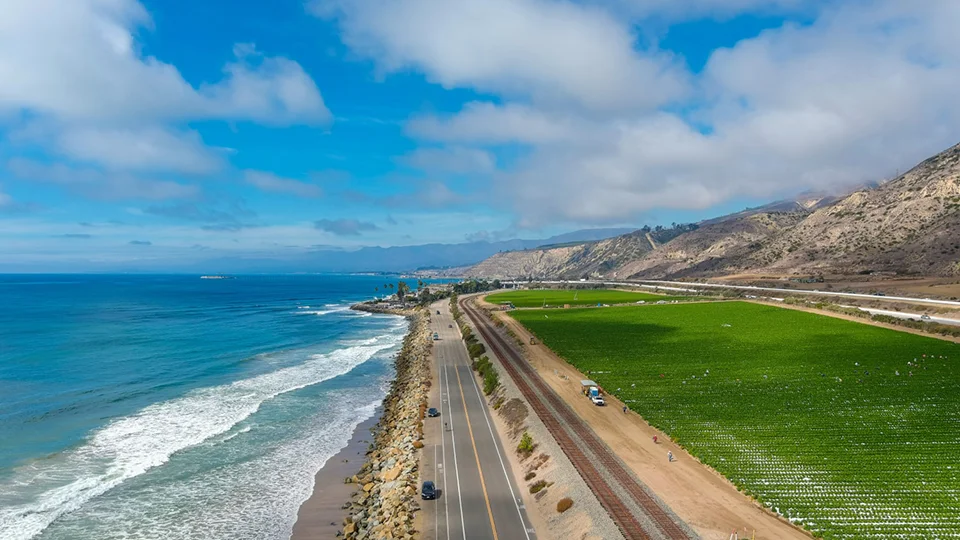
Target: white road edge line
{"points": [[506, 475], [453, 441], [443, 445]]}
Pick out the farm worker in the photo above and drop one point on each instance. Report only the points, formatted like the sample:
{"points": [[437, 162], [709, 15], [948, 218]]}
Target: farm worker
{"points": [[624, 409], [654, 439], [669, 456]]}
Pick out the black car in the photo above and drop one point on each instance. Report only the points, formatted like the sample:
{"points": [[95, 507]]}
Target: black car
{"points": [[429, 491], [432, 412]]}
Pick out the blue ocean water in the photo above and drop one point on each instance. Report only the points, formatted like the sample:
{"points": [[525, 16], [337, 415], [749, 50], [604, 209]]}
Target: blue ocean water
{"points": [[176, 407]]}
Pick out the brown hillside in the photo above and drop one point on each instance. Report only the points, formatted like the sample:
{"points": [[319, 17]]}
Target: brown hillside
{"points": [[908, 225]]}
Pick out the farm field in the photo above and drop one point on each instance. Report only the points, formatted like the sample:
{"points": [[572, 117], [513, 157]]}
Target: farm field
{"points": [[849, 430], [583, 297]]}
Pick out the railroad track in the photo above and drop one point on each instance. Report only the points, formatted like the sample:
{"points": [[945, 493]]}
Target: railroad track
{"points": [[559, 418]]}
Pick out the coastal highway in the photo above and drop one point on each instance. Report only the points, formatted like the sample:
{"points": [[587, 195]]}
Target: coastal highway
{"points": [[464, 457]]}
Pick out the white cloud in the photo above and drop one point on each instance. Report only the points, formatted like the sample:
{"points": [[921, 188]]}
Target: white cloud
{"points": [[267, 181], [100, 185], [79, 61], [456, 159], [91, 96], [267, 90], [555, 52], [487, 123], [696, 9], [866, 89], [139, 149]]}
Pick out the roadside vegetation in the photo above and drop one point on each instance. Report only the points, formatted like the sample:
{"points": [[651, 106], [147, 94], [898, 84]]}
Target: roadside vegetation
{"points": [[573, 297], [843, 428], [481, 364], [526, 446]]}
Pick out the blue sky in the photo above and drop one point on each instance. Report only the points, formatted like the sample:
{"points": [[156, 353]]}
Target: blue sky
{"points": [[171, 130]]}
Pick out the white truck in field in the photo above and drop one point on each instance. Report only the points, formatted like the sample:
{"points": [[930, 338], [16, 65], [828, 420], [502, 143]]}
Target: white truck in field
{"points": [[592, 391]]}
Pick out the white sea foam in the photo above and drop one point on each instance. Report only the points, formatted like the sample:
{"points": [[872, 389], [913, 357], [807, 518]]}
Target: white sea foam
{"points": [[43, 491], [330, 308]]}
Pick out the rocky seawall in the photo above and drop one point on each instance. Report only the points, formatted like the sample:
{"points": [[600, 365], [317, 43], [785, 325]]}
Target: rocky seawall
{"points": [[386, 498]]}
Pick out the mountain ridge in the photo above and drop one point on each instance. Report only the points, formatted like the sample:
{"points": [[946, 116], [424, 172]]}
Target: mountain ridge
{"points": [[909, 225]]}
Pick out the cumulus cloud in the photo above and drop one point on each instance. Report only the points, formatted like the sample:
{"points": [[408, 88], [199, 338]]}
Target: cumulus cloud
{"points": [[344, 227], [96, 184], [139, 149], [865, 89], [267, 181], [79, 60], [549, 51], [454, 160], [673, 10], [489, 123], [77, 72]]}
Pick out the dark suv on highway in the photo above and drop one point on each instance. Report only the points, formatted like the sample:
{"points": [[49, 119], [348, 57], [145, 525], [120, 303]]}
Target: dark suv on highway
{"points": [[429, 491]]}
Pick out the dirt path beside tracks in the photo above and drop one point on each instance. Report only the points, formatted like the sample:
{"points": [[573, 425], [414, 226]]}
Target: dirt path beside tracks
{"points": [[700, 496]]}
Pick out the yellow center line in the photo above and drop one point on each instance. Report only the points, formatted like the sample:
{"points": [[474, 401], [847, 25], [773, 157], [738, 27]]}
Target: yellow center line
{"points": [[476, 455]]}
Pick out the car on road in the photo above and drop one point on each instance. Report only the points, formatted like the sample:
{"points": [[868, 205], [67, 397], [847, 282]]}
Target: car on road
{"points": [[432, 412], [438, 312], [429, 491], [598, 401], [924, 317], [449, 326]]}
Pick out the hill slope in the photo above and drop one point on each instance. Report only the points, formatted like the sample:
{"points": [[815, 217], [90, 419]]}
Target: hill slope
{"points": [[910, 225], [572, 261]]}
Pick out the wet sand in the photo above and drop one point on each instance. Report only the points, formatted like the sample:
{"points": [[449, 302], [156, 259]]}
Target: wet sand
{"points": [[323, 508]]}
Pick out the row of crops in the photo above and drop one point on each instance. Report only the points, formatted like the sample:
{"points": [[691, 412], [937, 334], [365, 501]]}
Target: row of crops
{"points": [[849, 430], [574, 297]]}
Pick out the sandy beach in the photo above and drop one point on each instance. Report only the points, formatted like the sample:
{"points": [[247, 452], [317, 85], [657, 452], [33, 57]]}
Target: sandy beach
{"points": [[321, 516]]}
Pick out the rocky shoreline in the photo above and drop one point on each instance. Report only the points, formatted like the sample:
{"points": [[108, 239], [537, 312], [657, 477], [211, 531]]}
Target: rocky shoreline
{"points": [[386, 497]]}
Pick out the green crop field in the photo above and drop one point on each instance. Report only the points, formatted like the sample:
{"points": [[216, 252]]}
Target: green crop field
{"points": [[580, 297], [849, 430]]}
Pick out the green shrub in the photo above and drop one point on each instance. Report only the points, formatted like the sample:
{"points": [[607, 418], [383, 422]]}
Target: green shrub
{"points": [[564, 504], [538, 486], [526, 444], [490, 381], [476, 350]]}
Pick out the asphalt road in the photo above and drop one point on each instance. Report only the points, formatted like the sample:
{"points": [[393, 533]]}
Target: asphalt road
{"points": [[478, 496], [914, 316]]}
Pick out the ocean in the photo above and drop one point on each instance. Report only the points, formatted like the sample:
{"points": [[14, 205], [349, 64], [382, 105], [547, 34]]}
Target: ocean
{"points": [[176, 407]]}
